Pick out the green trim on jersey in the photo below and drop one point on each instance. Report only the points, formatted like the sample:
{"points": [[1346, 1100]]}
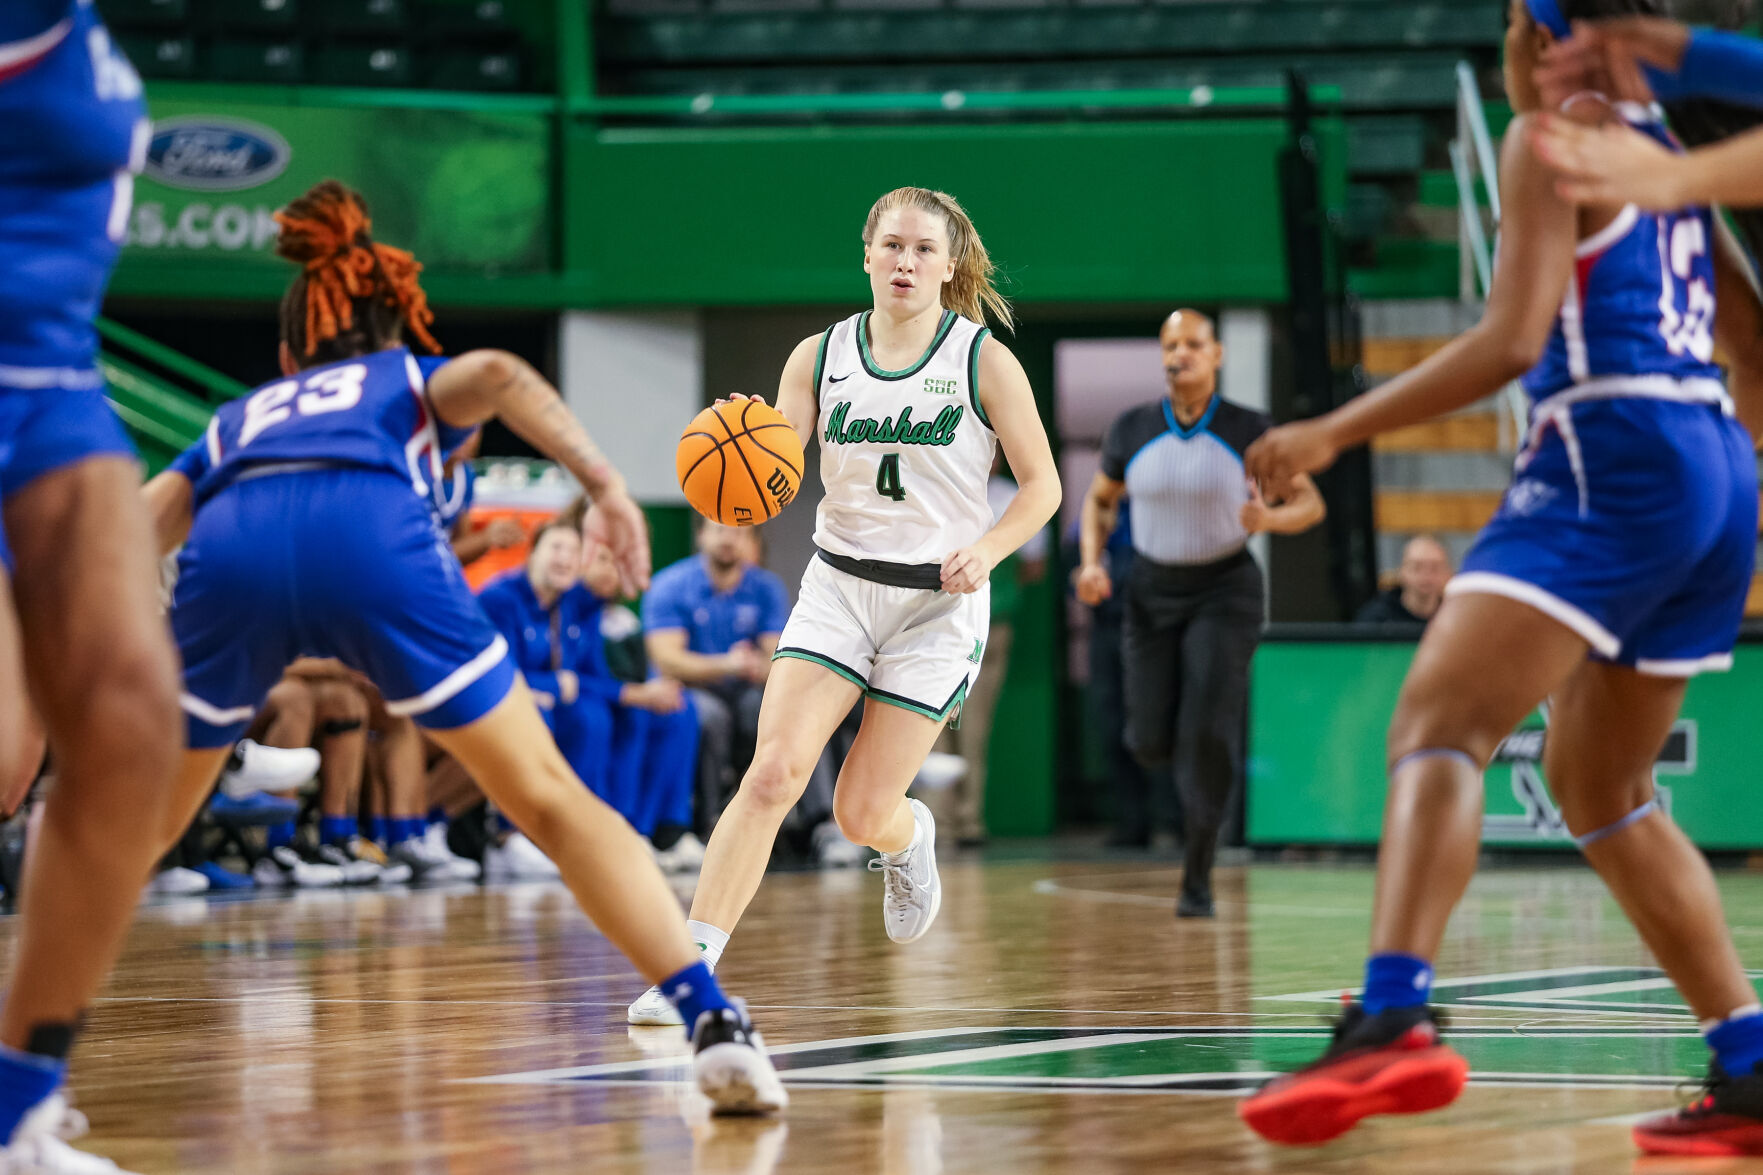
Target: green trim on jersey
{"points": [[820, 361], [944, 326], [955, 700], [973, 377], [843, 671]]}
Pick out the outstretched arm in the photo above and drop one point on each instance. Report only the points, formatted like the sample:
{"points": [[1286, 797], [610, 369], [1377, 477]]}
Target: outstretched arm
{"points": [[1535, 260], [483, 385], [1009, 404], [1617, 165], [171, 502]]}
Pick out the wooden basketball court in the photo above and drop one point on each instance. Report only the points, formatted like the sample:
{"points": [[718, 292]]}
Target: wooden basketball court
{"points": [[1057, 1020]]}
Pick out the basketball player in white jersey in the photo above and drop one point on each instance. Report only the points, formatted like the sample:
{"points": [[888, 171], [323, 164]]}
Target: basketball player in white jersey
{"points": [[909, 401]]}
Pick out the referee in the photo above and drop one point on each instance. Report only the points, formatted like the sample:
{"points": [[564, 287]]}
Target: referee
{"points": [[1194, 604]]}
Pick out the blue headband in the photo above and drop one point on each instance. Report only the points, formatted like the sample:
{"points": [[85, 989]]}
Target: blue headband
{"points": [[1548, 14]]}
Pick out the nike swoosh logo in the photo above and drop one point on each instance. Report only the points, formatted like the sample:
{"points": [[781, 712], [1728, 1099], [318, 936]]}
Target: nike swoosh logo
{"points": [[839, 378]]}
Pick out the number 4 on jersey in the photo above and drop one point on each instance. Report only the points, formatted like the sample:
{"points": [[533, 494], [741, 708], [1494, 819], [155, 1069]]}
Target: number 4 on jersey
{"points": [[887, 478]]}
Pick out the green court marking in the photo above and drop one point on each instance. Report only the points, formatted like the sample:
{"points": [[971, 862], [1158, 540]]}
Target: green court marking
{"points": [[1643, 991], [1157, 1059]]}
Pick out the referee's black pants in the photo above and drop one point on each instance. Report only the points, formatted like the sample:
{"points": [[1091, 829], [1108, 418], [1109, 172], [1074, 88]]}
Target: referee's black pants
{"points": [[1191, 632]]}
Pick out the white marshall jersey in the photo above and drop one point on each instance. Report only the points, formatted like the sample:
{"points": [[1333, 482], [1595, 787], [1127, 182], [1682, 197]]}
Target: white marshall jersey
{"points": [[904, 455]]}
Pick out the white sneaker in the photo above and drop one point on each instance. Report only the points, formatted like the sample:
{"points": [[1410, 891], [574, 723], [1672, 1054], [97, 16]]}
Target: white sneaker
{"points": [[431, 860], [268, 769], [178, 880], [282, 867], [356, 870], [912, 891], [518, 859], [728, 1056], [686, 855], [832, 850], [651, 1009], [37, 1147]]}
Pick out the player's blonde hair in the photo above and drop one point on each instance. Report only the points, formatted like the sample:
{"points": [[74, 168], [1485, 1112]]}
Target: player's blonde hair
{"points": [[970, 293]]}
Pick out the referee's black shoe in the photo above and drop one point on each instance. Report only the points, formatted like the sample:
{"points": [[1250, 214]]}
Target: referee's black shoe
{"points": [[1195, 902]]}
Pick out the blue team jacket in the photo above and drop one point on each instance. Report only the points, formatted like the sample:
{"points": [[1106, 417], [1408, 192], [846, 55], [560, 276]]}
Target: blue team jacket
{"points": [[574, 620]]}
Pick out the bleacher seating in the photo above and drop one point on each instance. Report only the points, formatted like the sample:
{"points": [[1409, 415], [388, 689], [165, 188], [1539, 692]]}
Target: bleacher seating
{"points": [[443, 44]]}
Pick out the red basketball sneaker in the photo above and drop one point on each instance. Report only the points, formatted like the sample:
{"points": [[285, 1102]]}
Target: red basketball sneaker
{"points": [[1390, 1063], [1726, 1120]]}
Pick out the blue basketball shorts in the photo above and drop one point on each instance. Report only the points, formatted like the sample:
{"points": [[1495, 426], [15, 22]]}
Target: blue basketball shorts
{"points": [[336, 562], [1635, 525], [56, 254]]}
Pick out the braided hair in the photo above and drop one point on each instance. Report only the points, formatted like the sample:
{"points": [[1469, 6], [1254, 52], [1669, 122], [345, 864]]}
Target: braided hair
{"points": [[353, 295]]}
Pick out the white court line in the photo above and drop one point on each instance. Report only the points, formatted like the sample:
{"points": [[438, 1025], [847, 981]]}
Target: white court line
{"points": [[1053, 888], [776, 1050]]}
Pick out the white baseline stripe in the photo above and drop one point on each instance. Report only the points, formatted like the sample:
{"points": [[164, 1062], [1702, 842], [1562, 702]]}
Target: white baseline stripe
{"points": [[453, 684]]}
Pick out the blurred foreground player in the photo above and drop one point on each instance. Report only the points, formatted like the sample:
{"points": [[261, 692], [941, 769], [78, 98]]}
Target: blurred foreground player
{"points": [[1616, 569], [84, 580], [306, 481]]}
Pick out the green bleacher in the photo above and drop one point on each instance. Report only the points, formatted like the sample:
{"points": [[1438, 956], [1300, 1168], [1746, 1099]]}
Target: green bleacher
{"points": [[441, 44], [1391, 61]]}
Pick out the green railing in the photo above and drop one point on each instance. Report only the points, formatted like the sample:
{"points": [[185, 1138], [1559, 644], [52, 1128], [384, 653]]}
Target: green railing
{"points": [[210, 383], [947, 102], [164, 398]]}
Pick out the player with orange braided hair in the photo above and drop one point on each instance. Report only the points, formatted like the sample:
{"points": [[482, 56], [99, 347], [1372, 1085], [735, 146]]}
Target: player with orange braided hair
{"points": [[353, 293], [306, 515]]}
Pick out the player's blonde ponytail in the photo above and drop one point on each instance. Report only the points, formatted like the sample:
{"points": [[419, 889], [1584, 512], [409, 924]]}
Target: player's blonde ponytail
{"points": [[970, 293]]}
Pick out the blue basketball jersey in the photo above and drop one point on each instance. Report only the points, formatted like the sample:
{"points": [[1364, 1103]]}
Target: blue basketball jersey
{"points": [[1641, 299], [372, 413], [70, 102]]}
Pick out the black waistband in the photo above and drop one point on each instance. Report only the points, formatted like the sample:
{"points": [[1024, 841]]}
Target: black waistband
{"points": [[277, 468], [1184, 574], [927, 576]]}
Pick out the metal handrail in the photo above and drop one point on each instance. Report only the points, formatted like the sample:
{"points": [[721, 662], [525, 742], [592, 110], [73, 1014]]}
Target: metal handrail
{"points": [[941, 102], [1472, 151]]}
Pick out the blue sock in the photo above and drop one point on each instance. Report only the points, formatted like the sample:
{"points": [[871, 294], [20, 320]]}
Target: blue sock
{"points": [[334, 830], [1738, 1043], [1394, 980], [25, 1080], [277, 835], [694, 991], [437, 815], [501, 823], [381, 829], [406, 828]]}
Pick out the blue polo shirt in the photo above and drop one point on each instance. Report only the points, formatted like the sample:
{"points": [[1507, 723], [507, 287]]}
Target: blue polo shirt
{"points": [[682, 596]]}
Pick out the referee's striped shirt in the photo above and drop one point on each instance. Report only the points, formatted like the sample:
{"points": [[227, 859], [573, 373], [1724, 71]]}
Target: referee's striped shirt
{"points": [[1187, 485]]}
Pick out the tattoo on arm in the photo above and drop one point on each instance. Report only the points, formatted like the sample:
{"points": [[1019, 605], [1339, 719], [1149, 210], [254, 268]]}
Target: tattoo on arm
{"points": [[530, 406]]}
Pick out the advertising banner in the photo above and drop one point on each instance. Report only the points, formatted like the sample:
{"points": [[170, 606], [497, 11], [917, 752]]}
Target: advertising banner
{"points": [[1320, 710], [462, 189]]}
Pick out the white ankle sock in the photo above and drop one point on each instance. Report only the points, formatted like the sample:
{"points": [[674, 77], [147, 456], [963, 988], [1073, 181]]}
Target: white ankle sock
{"points": [[917, 838], [710, 941]]}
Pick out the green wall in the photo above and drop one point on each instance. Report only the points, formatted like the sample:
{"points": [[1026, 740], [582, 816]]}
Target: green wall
{"points": [[1071, 212], [1318, 715], [508, 210]]}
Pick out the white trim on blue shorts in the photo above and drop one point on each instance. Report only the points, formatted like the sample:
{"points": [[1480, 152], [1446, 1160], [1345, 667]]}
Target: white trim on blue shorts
{"points": [[1601, 639], [453, 684], [208, 712], [15, 54], [1685, 667], [35, 379]]}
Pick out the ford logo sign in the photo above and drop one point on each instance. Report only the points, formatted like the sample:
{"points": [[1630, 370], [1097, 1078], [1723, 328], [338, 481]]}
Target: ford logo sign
{"points": [[215, 154]]}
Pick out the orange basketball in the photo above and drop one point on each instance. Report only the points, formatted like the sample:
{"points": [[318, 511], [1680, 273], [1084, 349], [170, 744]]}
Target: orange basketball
{"points": [[739, 462]]}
